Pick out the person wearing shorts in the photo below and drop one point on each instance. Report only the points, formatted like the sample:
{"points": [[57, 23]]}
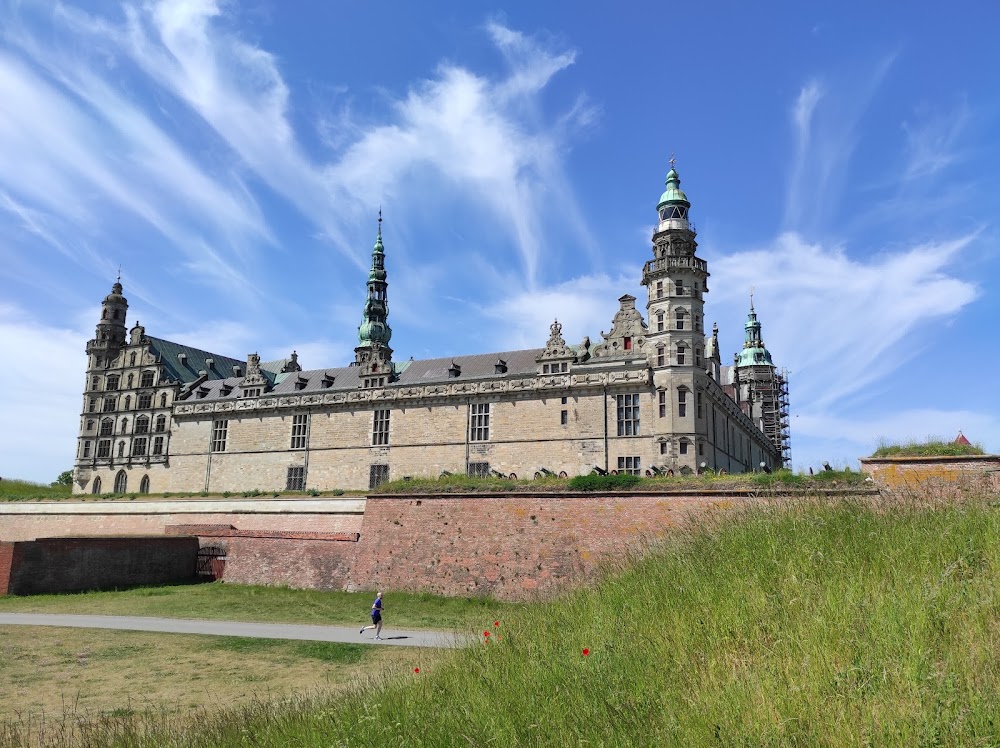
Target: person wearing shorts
{"points": [[376, 618]]}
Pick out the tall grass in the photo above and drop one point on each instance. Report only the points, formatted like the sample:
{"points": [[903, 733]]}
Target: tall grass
{"points": [[930, 447], [806, 626], [21, 490]]}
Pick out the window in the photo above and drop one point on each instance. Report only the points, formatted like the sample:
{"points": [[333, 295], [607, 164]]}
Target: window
{"points": [[145, 401], [158, 445], [629, 465], [659, 322], [90, 424], [128, 402], [104, 448], [139, 447], [121, 482], [564, 400], [220, 430], [661, 356], [161, 423], [661, 398], [376, 382], [112, 383], [131, 360], [296, 479], [682, 402], [300, 423], [97, 485], [564, 417], [142, 425], [109, 404], [92, 406], [478, 470], [107, 427], [479, 422], [163, 400], [683, 447], [679, 287], [146, 380], [697, 356], [131, 378], [627, 343], [659, 289], [121, 449], [628, 415], [697, 400], [94, 383], [701, 449], [124, 427], [253, 392], [377, 475], [86, 449], [681, 350], [680, 315], [144, 484], [664, 448], [380, 428]]}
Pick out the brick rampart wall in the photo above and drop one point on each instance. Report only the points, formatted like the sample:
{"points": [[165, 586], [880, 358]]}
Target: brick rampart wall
{"points": [[966, 473], [51, 565], [6, 562], [299, 563]]}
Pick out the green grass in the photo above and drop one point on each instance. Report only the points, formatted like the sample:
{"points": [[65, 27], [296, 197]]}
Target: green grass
{"points": [[22, 490], [220, 601], [808, 626], [332, 652], [931, 447]]}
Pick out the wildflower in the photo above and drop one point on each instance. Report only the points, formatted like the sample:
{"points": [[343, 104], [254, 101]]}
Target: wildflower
{"points": [[586, 652], [486, 634], [496, 623], [416, 670]]}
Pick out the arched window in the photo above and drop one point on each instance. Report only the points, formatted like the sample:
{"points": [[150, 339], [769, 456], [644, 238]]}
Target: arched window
{"points": [[121, 482], [144, 484], [142, 425], [124, 425], [121, 449], [131, 377], [97, 485], [161, 423], [163, 400], [128, 402], [131, 360]]}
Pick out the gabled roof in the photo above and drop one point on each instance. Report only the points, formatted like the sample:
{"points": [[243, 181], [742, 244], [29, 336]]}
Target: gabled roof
{"points": [[194, 361]]}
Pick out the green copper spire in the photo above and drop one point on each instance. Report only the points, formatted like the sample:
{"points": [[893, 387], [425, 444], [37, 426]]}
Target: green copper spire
{"points": [[673, 202], [374, 328], [754, 352]]}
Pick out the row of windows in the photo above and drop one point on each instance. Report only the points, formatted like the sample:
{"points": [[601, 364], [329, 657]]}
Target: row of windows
{"points": [[142, 402], [680, 355], [139, 447], [121, 483], [146, 379], [678, 288], [142, 424], [680, 320]]}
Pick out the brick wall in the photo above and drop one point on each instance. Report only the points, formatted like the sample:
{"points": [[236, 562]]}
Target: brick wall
{"points": [[6, 562], [967, 472], [51, 565], [291, 562], [510, 547]]}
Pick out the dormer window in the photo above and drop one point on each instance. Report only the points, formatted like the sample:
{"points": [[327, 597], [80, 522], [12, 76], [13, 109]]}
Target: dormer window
{"points": [[238, 371], [373, 382], [226, 390], [253, 392], [202, 392], [500, 367], [454, 370], [301, 382], [327, 381]]}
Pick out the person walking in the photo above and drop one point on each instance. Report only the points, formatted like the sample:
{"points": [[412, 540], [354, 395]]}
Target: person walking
{"points": [[376, 618]]}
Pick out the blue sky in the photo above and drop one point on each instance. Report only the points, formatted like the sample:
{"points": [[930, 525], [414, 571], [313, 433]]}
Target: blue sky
{"points": [[232, 157]]}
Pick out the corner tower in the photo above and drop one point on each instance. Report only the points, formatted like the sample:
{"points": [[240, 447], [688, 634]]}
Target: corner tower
{"points": [[373, 353], [109, 337]]}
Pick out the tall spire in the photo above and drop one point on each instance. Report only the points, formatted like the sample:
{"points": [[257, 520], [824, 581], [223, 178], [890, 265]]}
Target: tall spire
{"points": [[754, 351], [673, 205], [374, 332]]}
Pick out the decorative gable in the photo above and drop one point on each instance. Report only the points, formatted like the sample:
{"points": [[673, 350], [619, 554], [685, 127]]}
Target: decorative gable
{"points": [[254, 383], [557, 356], [628, 333]]}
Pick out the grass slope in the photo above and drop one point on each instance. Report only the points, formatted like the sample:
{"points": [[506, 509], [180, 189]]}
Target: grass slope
{"points": [[811, 626], [928, 448], [22, 490]]}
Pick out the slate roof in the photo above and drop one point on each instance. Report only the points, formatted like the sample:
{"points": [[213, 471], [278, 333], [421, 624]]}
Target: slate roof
{"points": [[195, 361], [479, 366]]}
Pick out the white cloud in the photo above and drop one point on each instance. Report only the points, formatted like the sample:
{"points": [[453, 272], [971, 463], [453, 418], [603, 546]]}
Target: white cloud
{"points": [[41, 397]]}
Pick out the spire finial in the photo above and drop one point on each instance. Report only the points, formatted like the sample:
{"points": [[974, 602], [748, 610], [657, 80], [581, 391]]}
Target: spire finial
{"points": [[119, 278], [672, 160], [751, 298]]}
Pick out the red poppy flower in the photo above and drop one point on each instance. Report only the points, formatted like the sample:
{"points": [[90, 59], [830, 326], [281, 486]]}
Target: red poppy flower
{"points": [[496, 623], [486, 634], [416, 670], [586, 652]]}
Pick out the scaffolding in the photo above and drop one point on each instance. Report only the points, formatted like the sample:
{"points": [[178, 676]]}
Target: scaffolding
{"points": [[769, 391]]}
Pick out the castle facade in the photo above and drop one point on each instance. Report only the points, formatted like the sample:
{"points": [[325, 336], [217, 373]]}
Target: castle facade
{"points": [[651, 397]]}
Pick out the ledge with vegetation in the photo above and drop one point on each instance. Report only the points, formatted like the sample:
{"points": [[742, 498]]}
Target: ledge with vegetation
{"points": [[928, 448]]}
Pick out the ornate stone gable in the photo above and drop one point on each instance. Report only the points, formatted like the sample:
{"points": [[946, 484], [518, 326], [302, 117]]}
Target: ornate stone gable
{"points": [[628, 333], [556, 348], [254, 377]]}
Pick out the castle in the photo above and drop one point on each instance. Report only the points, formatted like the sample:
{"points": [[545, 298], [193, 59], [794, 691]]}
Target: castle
{"points": [[651, 397]]}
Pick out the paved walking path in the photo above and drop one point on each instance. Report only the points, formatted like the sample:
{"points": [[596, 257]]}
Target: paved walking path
{"points": [[390, 636]]}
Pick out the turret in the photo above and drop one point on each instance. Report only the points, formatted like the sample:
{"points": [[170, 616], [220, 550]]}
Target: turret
{"points": [[373, 351], [109, 337]]}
